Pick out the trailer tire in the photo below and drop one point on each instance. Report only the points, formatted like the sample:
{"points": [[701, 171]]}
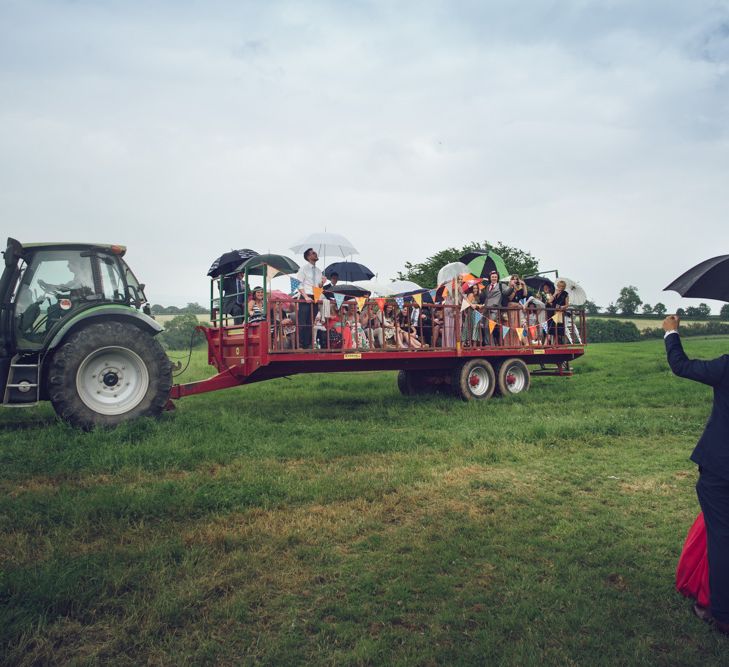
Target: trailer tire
{"points": [[411, 383], [108, 373], [474, 380], [513, 377]]}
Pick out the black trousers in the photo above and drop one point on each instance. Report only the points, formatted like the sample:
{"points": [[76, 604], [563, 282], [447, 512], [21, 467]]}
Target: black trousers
{"points": [[303, 322], [713, 493]]}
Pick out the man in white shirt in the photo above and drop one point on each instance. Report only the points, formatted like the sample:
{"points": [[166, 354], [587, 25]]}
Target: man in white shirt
{"points": [[309, 277]]}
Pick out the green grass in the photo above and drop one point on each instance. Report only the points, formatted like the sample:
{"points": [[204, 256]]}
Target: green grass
{"points": [[329, 520]]}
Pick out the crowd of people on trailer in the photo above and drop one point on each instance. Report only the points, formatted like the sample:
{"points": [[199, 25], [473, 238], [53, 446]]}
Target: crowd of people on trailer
{"points": [[323, 324]]}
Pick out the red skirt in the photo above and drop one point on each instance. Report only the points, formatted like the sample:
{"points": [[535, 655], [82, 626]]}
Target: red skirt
{"points": [[692, 573]]}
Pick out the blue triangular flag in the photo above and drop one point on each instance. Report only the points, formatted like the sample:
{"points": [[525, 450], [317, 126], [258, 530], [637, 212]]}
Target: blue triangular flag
{"points": [[400, 301], [522, 301], [295, 284], [477, 317], [433, 293], [505, 330], [339, 300], [545, 327]]}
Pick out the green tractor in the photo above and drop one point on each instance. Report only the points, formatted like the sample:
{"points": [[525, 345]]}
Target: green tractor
{"points": [[76, 329]]}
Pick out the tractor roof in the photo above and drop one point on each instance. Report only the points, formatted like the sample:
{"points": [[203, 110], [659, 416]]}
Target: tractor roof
{"points": [[106, 247]]}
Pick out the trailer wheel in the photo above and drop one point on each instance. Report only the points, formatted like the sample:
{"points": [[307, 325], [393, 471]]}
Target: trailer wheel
{"points": [[474, 380], [411, 383], [513, 377], [108, 373]]}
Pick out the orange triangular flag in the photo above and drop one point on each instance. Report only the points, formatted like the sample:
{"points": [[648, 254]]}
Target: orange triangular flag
{"points": [[361, 300], [445, 292], [380, 304], [317, 293], [492, 326], [533, 332], [418, 298]]}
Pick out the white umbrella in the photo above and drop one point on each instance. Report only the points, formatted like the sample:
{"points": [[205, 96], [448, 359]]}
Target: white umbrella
{"points": [[380, 288], [577, 295], [450, 271], [326, 243]]}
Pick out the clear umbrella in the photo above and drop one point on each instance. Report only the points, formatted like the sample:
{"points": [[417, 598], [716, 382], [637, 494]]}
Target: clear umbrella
{"points": [[577, 295], [450, 271], [326, 244], [381, 288]]}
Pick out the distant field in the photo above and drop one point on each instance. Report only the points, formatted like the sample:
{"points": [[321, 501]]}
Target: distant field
{"points": [[328, 520], [643, 323]]}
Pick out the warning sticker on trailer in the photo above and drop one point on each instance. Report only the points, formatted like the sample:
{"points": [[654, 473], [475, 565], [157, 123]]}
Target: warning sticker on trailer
{"points": [[354, 355]]}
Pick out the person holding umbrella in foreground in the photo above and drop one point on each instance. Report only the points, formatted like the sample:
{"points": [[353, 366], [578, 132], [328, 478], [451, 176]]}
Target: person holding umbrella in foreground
{"points": [[712, 456]]}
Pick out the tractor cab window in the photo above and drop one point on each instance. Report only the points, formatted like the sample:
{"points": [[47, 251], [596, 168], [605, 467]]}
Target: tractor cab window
{"points": [[136, 289], [54, 283], [111, 279]]}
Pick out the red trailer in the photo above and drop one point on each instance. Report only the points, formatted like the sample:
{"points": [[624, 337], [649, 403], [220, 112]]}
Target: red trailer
{"points": [[472, 369]]}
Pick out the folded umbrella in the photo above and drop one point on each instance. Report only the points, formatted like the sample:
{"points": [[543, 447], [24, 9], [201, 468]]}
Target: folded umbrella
{"points": [[707, 280], [349, 271]]}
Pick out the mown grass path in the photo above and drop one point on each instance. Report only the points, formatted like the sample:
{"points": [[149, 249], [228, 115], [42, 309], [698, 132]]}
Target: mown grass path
{"points": [[329, 520]]}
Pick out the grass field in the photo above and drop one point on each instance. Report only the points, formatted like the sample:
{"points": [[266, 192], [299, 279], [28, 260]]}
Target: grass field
{"points": [[329, 520]]}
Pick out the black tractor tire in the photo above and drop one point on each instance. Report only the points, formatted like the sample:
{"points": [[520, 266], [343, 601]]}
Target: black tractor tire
{"points": [[108, 373], [411, 383], [474, 380], [513, 378]]}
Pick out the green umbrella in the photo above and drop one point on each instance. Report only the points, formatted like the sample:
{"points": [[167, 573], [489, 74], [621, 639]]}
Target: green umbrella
{"points": [[256, 266], [482, 265]]}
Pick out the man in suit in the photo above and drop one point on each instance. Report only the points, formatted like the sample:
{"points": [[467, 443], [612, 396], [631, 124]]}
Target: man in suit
{"points": [[712, 456], [491, 297]]}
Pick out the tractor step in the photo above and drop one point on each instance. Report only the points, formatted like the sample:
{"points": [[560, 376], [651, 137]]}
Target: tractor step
{"points": [[23, 386]]}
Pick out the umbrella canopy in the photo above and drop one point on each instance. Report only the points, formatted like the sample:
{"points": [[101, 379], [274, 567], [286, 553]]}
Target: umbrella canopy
{"points": [[349, 271], [326, 243], [576, 293], [377, 288], [257, 266], [424, 294], [278, 295], [536, 282], [227, 262], [483, 264], [347, 290], [707, 280], [450, 271]]}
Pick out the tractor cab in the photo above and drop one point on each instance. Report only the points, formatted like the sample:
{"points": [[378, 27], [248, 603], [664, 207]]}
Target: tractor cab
{"points": [[46, 284]]}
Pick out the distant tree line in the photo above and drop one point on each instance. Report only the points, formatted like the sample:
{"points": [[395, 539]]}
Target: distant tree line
{"points": [[630, 304], [192, 308]]}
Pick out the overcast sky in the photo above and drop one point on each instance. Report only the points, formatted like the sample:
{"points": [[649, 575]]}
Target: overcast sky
{"points": [[593, 134]]}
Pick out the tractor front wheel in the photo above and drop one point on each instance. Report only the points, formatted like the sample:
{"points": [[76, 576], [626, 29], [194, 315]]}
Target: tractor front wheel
{"points": [[108, 373]]}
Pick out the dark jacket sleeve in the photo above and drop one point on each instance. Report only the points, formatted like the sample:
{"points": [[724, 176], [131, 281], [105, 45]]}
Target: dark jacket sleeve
{"points": [[709, 372]]}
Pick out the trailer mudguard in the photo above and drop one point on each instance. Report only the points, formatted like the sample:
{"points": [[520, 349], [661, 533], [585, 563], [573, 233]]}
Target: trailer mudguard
{"points": [[110, 311]]}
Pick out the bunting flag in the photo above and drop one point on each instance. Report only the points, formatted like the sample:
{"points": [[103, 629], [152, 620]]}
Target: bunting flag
{"points": [[533, 332], [433, 294], [418, 298], [295, 284], [505, 330], [339, 300], [271, 272], [492, 326], [361, 300], [465, 304], [522, 301], [400, 302], [545, 327], [477, 317], [445, 292], [381, 304], [519, 331], [317, 293]]}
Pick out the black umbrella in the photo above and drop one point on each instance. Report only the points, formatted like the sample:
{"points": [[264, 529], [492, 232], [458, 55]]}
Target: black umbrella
{"points": [[536, 282], [347, 290], [227, 262], [708, 280], [257, 266], [349, 271]]}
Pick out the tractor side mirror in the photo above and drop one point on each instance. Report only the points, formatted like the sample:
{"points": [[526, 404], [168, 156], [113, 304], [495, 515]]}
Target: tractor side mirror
{"points": [[12, 252]]}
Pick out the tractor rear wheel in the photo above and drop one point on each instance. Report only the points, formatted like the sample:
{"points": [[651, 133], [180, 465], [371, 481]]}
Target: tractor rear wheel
{"points": [[108, 373]]}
